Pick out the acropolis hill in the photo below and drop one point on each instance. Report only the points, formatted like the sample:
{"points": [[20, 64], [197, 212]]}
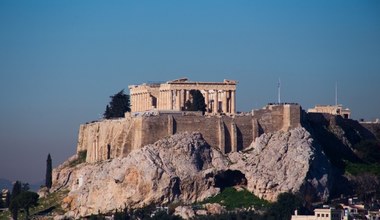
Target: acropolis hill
{"points": [[161, 154], [157, 112]]}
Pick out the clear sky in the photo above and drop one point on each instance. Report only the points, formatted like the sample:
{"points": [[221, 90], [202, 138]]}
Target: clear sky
{"points": [[61, 60]]}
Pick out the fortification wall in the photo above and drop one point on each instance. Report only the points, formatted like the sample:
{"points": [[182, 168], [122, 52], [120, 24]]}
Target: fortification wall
{"points": [[116, 138], [278, 117], [105, 139]]}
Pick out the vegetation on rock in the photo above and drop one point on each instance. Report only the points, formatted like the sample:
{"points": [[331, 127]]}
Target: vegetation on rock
{"points": [[80, 159], [22, 199], [47, 206], [118, 105], [232, 199]]}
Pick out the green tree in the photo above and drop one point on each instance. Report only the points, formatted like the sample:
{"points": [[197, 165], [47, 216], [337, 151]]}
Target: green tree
{"points": [[197, 102], [48, 177], [13, 207], [25, 187], [16, 190], [118, 106], [285, 206], [25, 200]]}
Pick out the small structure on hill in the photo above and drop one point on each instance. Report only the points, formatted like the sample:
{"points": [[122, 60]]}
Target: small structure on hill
{"points": [[321, 214], [220, 97], [331, 109]]}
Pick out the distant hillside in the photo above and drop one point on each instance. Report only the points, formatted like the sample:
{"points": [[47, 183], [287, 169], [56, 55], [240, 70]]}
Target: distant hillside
{"points": [[5, 184]]}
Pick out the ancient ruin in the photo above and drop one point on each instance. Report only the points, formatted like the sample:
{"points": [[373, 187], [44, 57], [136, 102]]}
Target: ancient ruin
{"points": [[220, 97], [161, 154], [331, 109], [156, 113]]}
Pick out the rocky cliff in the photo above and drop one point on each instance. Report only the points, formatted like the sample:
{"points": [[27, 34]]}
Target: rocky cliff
{"points": [[184, 168]]}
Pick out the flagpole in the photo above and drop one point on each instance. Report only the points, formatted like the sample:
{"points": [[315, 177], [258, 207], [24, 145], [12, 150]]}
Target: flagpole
{"points": [[279, 91], [336, 93]]}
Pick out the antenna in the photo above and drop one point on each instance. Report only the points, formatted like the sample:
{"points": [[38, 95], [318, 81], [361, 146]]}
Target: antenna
{"points": [[279, 91], [336, 93]]}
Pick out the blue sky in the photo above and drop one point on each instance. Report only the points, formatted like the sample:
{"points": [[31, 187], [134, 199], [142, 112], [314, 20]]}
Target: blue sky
{"points": [[61, 60]]}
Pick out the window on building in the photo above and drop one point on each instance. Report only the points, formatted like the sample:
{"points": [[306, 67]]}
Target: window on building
{"points": [[318, 215]]}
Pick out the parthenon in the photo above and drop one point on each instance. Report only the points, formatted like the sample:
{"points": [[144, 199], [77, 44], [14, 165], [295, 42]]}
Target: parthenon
{"points": [[220, 97]]}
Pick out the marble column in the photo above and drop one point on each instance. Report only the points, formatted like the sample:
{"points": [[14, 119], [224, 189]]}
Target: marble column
{"points": [[187, 95], [143, 101], [163, 100], [140, 102], [137, 108], [177, 100], [158, 100], [171, 99], [216, 101], [207, 100], [148, 102], [233, 102], [182, 103], [224, 101], [166, 100], [133, 103]]}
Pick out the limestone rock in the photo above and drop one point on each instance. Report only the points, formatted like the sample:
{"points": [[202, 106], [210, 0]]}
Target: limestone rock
{"points": [[284, 162], [214, 208], [185, 212], [43, 192], [172, 169], [183, 168]]}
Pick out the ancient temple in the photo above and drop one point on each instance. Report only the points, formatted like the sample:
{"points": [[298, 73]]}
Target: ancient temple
{"points": [[220, 97]]}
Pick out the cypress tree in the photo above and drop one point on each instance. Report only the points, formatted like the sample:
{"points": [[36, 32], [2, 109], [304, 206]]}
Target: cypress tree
{"points": [[16, 190], [48, 179]]}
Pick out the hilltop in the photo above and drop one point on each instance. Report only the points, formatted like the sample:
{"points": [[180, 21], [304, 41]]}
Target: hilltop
{"points": [[315, 160]]}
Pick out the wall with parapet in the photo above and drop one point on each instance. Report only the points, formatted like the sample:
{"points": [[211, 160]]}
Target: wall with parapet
{"points": [[116, 138]]}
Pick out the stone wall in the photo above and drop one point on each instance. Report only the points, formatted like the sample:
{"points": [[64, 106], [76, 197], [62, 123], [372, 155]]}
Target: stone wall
{"points": [[116, 138], [278, 117]]}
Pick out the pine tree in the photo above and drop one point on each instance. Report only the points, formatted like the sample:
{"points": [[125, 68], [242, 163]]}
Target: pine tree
{"points": [[48, 177], [118, 106]]}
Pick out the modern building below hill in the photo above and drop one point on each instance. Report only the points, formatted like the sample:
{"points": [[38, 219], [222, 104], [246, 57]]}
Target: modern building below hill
{"points": [[331, 109], [220, 97], [321, 214]]}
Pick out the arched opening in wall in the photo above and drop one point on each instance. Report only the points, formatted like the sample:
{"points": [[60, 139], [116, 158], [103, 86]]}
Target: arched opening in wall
{"points": [[229, 178], [108, 151]]}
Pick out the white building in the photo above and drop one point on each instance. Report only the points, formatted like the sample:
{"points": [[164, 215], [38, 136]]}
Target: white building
{"points": [[321, 214]]}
